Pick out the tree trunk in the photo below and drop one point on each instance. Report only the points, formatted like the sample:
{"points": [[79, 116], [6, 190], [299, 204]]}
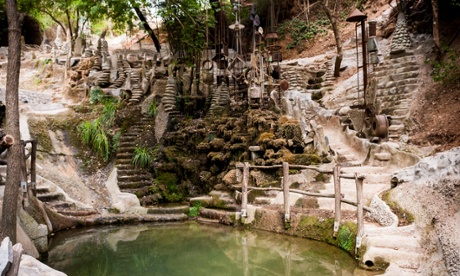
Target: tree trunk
{"points": [[147, 28], [437, 42], [331, 15], [10, 199]]}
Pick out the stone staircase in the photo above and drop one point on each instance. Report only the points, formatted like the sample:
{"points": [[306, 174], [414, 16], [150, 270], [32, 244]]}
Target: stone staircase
{"points": [[217, 207], [56, 200], [397, 78], [130, 178], [399, 246]]}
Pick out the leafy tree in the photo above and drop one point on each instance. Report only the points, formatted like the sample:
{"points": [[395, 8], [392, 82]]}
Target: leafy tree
{"points": [[10, 199], [185, 23]]}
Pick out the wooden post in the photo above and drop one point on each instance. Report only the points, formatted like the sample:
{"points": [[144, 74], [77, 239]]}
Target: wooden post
{"points": [[287, 215], [244, 190], [338, 198], [24, 188], [359, 200], [33, 168]]}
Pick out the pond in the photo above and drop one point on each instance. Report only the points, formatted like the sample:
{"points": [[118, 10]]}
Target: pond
{"points": [[191, 249]]}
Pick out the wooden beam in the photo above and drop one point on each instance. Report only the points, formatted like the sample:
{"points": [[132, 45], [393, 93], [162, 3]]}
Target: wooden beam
{"points": [[359, 213], [338, 197], [239, 165], [244, 200], [287, 212]]}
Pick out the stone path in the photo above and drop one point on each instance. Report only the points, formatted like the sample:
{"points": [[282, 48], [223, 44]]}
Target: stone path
{"points": [[400, 246], [38, 102]]}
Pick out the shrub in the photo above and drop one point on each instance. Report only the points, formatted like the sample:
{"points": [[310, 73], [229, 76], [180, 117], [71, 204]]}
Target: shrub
{"points": [[447, 71], [195, 209]]}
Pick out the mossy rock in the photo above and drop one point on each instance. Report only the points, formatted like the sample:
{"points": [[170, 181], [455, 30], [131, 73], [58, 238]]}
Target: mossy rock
{"points": [[265, 137], [289, 130], [303, 159], [203, 147], [219, 157], [217, 144], [277, 143], [307, 202], [238, 147], [171, 153], [322, 177]]}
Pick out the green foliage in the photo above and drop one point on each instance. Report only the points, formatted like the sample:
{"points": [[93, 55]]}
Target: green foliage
{"points": [[404, 216], [346, 238], [185, 22], [92, 134], [447, 71], [153, 109], [194, 210], [300, 31], [171, 191], [360, 4], [96, 95], [144, 157], [108, 113], [116, 142]]}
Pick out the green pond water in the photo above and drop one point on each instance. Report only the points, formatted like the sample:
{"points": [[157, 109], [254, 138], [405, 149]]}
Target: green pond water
{"points": [[191, 249]]}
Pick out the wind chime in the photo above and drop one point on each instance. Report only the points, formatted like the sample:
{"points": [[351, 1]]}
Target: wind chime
{"points": [[207, 64], [221, 46], [237, 64]]}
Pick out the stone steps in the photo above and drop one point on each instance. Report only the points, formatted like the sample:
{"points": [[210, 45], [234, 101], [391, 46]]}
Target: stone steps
{"points": [[134, 185], [218, 216], [48, 197], [168, 210], [398, 246], [130, 178]]}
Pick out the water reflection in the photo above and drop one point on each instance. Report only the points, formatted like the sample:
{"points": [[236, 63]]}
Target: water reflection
{"points": [[192, 249]]}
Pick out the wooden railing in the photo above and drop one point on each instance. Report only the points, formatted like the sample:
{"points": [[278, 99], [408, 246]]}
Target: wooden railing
{"points": [[338, 196]]}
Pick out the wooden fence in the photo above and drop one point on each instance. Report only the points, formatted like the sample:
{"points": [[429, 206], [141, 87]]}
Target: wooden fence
{"points": [[337, 195]]}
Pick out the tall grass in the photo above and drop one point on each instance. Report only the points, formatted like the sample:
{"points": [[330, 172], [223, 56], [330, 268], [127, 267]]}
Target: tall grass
{"points": [[144, 157], [153, 109], [108, 113], [94, 135]]}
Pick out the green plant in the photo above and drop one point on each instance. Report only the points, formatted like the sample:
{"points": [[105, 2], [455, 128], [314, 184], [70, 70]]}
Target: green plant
{"points": [[153, 109], [95, 94], [404, 216], [108, 113], [93, 134], [346, 238], [447, 70], [116, 142], [143, 157], [300, 30], [195, 209]]}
